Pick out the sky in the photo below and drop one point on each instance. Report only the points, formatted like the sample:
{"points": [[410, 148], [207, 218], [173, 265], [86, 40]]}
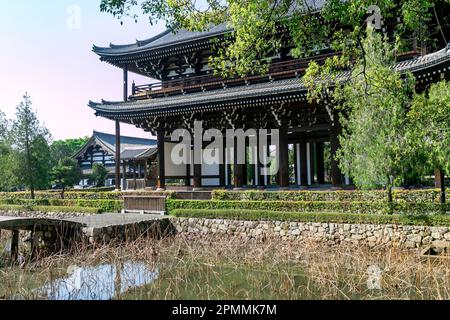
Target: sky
{"points": [[46, 51]]}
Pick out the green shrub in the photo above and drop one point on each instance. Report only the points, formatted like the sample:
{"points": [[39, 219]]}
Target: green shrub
{"points": [[321, 217], [85, 195], [62, 209], [417, 196], [309, 206], [103, 205]]}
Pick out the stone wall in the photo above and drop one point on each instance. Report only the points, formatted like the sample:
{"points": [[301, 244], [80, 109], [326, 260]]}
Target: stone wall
{"points": [[38, 214], [330, 233]]}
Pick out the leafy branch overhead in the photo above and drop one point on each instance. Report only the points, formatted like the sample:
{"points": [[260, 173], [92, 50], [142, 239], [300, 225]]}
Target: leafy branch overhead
{"points": [[257, 26]]}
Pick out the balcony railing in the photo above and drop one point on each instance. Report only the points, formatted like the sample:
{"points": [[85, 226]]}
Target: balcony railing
{"points": [[278, 70]]}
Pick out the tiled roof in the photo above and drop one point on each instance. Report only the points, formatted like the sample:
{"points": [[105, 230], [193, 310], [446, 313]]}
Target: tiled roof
{"points": [[164, 39], [169, 38], [258, 91], [131, 147]]}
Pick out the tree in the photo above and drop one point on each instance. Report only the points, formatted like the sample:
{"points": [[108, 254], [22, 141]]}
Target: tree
{"points": [[6, 178], [31, 152], [65, 174], [430, 129], [99, 174], [62, 149], [374, 106], [256, 25]]}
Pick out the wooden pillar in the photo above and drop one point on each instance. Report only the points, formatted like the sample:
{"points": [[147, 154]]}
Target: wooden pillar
{"points": [[197, 176], [238, 168], [125, 83], [15, 245], [161, 160], [117, 160], [223, 163], [284, 159], [320, 163], [187, 180], [439, 181], [312, 162], [297, 163], [124, 174], [145, 173], [134, 175], [303, 161], [261, 182], [336, 175]]}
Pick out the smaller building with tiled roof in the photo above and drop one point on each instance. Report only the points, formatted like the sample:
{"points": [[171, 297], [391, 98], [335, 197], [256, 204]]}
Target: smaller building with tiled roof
{"points": [[135, 154]]}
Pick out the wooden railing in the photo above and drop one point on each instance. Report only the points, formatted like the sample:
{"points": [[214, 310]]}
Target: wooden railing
{"points": [[279, 70], [144, 204]]}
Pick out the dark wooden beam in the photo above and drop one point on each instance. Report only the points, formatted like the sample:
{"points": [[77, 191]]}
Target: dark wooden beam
{"points": [[15, 245], [303, 162], [284, 159], [320, 163], [161, 161], [197, 176], [336, 175], [238, 169], [117, 160]]}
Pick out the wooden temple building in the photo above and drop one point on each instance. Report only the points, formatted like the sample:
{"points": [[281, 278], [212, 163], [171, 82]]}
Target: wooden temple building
{"points": [[188, 91], [136, 158]]}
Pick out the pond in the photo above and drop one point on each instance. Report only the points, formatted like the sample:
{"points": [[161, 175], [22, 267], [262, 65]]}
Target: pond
{"points": [[102, 282]]}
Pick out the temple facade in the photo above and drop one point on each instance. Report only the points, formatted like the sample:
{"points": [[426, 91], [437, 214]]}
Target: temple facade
{"points": [[186, 90], [136, 158]]}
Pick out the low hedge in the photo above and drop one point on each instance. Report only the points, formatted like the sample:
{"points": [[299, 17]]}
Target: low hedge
{"points": [[310, 206], [416, 196], [58, 209], [322, 217], [103, 205], [71, 195]]}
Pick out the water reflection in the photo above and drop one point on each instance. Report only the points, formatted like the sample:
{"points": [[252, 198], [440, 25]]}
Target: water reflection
{"points": [[102, 282]]}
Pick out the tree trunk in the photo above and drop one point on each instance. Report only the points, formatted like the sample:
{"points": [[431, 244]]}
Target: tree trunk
{"points": [[62, 192], [390, 200]]}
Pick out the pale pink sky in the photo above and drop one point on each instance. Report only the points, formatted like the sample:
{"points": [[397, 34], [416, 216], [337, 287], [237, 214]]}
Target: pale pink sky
{"points": [[42, 54]]}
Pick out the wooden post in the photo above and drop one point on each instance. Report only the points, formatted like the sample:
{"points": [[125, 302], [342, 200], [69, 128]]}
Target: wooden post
{"points": [[284, 159], [296, 164], [320, 163], [161, 161], [134, 175], [117, 155], [145, 173], [124, 182], [15, 245], [303, 162], [223, 163], [312, 163], [439, 182], [238, 169], [261, 183], [336, 175], [187, 180]]}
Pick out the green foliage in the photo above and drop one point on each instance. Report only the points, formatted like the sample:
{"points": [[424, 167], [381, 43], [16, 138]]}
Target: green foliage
{"points": [[399, 196], [256, 26], [31, 153], [86, 195], [376, 99], [62, 149], [45, 209], [103, 205], [430, 126], [66, 173], [6, 176], [322, 217], [310, 206], [99, 174]]}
